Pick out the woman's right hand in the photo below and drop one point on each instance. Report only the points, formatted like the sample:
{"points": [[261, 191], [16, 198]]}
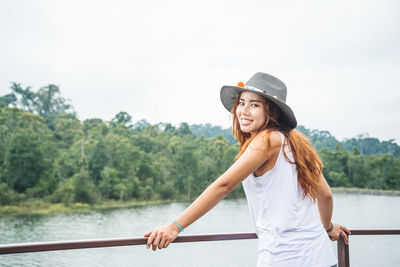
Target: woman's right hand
{"points": [[161, 237], [337, 231]]}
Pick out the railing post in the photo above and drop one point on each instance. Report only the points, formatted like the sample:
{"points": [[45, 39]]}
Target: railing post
{"points": [[343, 253]]}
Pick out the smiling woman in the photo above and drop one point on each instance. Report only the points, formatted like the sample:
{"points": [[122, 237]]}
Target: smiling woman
{"points": [[282, 177]]}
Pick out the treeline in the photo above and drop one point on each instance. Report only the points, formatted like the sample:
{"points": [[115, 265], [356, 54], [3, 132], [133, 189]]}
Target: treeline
{"points": [[366, 145], [361, 162], [320, 139], [346, 169], [92, 161], [47, 153]]}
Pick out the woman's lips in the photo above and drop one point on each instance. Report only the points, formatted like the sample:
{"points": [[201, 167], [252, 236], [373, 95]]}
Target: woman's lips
{"points": [[245, 122]]}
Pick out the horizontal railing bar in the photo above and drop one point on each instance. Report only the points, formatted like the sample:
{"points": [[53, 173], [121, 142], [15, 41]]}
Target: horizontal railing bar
{"points": [[98, 243], [376, 232]]}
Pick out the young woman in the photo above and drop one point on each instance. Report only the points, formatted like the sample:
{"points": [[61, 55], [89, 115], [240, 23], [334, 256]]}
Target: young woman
{"points": [[282, 178]]}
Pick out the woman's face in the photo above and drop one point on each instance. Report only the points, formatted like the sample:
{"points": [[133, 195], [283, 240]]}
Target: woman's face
{"points": [[251, 112]]}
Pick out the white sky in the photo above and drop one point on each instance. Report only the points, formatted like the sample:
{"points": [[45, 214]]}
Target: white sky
{"points": [[165, 61]]}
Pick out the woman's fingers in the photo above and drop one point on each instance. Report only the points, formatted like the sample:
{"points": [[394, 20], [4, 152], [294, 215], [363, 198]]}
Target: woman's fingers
{"points": [[157, 240], [148, 233], [339, 230], [151, 238], [346, 239], [162, 243], [161, 237], [346, 230]]}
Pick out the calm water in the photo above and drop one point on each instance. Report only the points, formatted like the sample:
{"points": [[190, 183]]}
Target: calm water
{"points": [[354, 211]]}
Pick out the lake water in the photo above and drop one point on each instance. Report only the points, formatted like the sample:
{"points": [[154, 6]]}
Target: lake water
{"points": [[353, 210]]}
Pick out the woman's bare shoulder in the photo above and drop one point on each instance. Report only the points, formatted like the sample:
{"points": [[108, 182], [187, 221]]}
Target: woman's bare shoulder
{"points": [[266, 140]]}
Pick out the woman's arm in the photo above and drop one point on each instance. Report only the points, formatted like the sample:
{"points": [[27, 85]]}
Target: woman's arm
{"points": [[251, 159], [325, 202], [325, 207]]}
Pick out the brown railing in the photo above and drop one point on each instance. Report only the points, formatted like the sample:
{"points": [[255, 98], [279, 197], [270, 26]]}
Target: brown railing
{"points": [[99, 243], [342, 248]]}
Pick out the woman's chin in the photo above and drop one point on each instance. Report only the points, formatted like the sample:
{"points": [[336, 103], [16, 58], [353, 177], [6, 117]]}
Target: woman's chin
{"points": [[249, 129], [245, 129]]}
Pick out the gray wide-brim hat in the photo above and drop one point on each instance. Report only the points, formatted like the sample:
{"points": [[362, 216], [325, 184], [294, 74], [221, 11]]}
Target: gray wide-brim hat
{"points": [[267, 86]]}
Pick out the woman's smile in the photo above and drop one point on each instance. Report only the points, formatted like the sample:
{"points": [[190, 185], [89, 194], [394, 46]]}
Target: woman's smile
{"points": [[245, 121]]}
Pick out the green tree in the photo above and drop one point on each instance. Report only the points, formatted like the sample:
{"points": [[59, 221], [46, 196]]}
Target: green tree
{"points": [[95, 128], [7, 100], [335, 161], [65, 193], [49, 103], [392, 171], [5, 194], [97, 161], [15, 125], [358, 171], [26, 97], [85, 190], [122, 118], [67, 129], [184, 129], [25, 162], [107, 185]]}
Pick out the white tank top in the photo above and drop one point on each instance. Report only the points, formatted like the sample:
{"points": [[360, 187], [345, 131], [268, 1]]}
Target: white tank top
{"points": [[289, 229]]}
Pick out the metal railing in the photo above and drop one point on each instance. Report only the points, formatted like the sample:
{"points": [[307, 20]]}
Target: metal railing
{"points": [[342, 248]]}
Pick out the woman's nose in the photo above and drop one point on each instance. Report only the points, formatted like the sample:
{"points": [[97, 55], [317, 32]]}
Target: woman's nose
{"points": [[246, 109]]}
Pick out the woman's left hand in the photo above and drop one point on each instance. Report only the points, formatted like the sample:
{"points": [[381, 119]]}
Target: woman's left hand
{"points": [[161, 237], [337, 231]]}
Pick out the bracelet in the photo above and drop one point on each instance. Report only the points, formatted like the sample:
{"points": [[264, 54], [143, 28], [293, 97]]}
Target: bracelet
{"points": [[330, 228], [180, 226]]}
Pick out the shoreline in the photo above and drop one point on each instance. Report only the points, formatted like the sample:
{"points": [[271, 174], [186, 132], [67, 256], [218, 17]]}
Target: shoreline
{"points": [[363, 191], [42, 208]]}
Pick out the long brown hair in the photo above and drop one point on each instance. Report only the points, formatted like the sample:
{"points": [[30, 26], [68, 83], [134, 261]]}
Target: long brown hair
{"points": [[308, 164]]}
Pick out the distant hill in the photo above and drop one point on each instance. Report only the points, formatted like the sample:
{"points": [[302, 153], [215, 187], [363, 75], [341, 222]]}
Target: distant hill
{"points": [[208, 130], [361, 144]]}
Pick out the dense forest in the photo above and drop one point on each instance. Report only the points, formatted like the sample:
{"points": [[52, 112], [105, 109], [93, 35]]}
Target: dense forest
{"points": [[47, 153], [365, 144]]}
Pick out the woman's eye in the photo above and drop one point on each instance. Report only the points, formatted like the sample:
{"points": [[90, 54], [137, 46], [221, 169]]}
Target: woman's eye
{"points": [[254, 105], [241, 103]]}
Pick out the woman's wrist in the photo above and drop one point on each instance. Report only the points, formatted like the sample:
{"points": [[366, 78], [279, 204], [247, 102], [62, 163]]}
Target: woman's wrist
{"points": [[330, 228], [174, 227], [181, 229]]}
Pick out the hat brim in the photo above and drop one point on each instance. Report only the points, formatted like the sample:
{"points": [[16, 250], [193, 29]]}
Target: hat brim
{"points": [[229, 94]]}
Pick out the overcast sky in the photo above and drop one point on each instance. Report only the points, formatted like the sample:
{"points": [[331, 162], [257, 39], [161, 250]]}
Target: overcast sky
{"points": [[165, 61]]}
